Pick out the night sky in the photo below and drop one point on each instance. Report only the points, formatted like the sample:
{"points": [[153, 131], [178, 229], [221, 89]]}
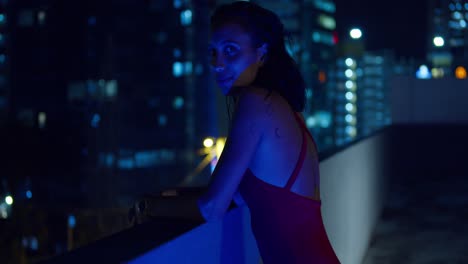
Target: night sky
{"points": [[399, 24]]}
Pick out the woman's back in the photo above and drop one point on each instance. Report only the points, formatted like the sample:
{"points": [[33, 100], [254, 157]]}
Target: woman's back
{"points": [[281, 145]]}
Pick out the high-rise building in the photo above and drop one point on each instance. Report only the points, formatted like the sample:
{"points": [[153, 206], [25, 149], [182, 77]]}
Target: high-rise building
{"points": [[361, 83], [448, 36], [121, 88], [4, 61]]}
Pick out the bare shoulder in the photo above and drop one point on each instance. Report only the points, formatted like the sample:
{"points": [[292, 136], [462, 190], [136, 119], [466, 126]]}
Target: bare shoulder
{"points": [[256, 100]]}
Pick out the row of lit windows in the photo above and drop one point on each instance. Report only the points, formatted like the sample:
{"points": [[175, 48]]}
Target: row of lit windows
{"points": [[180, 69], [458, 6], [424, 72], [97, 89], [323, 37], [325, 5], [138, 159]]}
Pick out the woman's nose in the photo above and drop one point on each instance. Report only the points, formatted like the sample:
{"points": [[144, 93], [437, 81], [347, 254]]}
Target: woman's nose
{"points": [[218, 64]]}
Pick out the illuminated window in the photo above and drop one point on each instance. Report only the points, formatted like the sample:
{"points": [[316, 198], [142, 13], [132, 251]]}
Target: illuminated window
{"points": [[188, 67], [177, 53], [95, 120], [162, 119], [322, 77], [327, 6], [41, 17], [327, 22], [460, 72], [91, 21], [177, 69], [177, 3], [111, 89], [41, 119], [178, 102], [186, 17], [349, 62]]}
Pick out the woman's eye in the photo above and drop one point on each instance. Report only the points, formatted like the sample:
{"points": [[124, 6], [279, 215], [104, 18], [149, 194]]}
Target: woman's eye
{"points": [[230, 50]]}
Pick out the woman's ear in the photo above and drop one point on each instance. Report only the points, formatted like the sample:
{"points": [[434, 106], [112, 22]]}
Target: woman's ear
{"points": [[262, 52]]}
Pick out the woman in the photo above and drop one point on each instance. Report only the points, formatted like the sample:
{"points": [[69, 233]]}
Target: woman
{"points": [[269, 159]]}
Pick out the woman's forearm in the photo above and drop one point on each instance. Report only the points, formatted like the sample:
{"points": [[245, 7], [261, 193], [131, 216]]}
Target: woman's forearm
{"points": [[174, 207]]}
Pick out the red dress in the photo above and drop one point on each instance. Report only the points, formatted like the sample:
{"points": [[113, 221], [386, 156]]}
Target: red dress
{"points": [[288, 227]]}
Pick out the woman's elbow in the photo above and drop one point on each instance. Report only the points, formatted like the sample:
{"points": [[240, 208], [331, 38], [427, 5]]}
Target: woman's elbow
{"points": [[209, 211]]}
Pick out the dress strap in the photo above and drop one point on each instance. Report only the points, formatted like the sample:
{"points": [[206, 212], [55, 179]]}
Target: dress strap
{"points": [[300, 161]]}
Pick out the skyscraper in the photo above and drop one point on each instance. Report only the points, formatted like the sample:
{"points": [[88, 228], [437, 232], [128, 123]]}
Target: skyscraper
{"points": [[448, 36]]}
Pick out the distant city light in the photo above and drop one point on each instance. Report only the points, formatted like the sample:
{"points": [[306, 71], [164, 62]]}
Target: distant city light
{"points": [[460, 72], [311, 121], [71, 221], [349, 118], [208, 142], [463, 23], [41, 16], [438, 41], [178, 102], [349, 84], [91, 21], [186, 17], [349, 95], [349, 62], [349, 73], [355, 33], [423, 72], [162, 119], [9, 200], [437, 72], [457, 15], [177, 53], [349, 107], [41, 119], [95, 120], [177, 69]]}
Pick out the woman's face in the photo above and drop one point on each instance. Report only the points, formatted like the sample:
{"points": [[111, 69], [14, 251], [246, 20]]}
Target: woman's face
{"points": [[234, 59]]}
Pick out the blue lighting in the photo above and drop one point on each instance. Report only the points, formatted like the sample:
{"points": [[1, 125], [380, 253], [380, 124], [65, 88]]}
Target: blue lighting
{"points": [[95, 120], [2, 58], [29, 194], [2, 18], [177, 69], [92, 21], [71, 221], [186, 17]]}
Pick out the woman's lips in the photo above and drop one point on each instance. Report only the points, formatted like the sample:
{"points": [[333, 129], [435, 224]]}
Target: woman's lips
{"points": [[223, 80]]}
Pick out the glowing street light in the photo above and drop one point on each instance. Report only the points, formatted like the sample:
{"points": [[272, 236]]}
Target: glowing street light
{"points": [[9, 200], [208, 142], [438, 41], [355, 33]]}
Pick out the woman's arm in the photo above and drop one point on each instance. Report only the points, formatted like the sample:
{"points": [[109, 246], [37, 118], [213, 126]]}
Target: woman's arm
{"points": [[247, 130]]}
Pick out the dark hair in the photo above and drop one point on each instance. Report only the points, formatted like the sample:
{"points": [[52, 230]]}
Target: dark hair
{"points": [[279, 71]]}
